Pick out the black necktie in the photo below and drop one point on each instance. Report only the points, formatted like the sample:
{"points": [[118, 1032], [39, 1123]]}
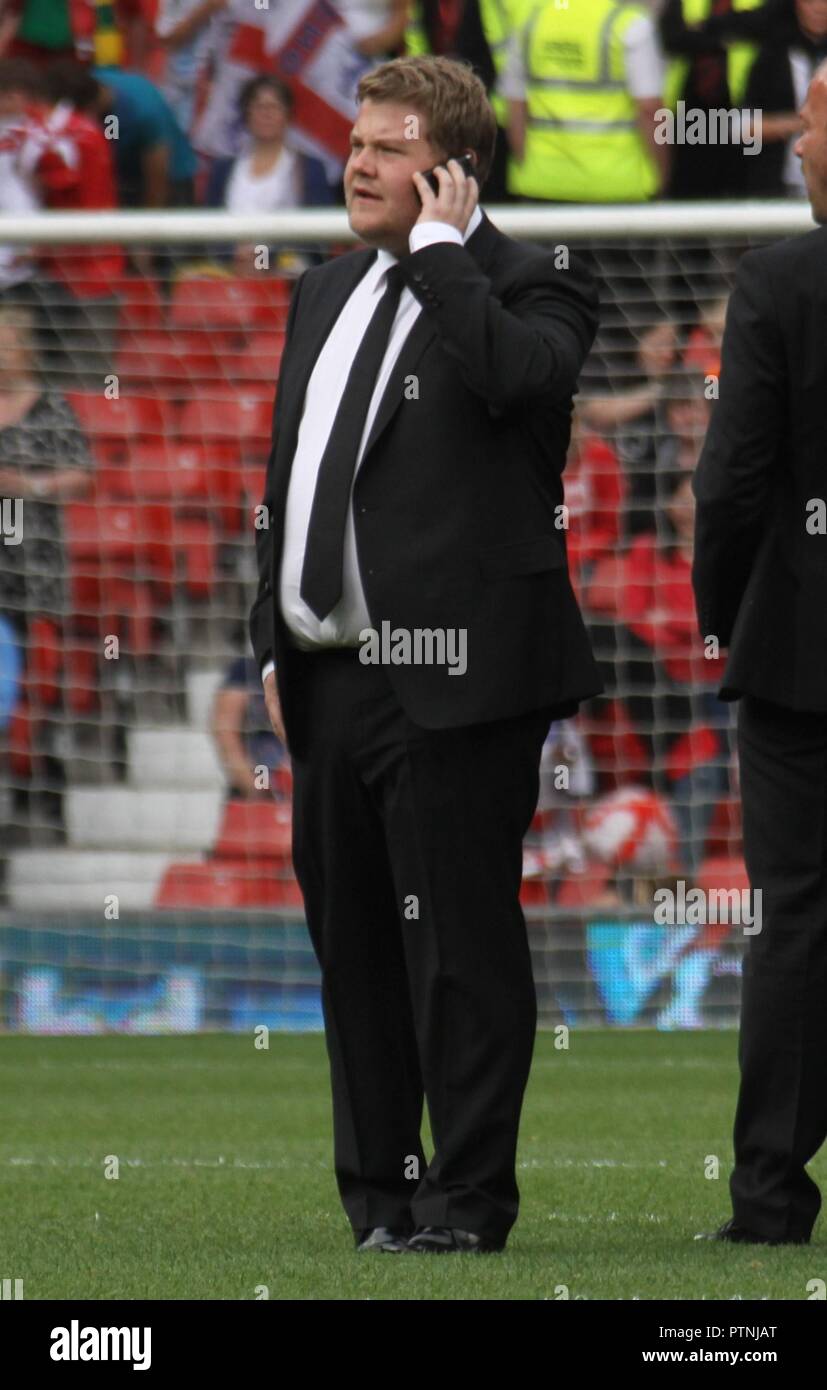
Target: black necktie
{"points": [[321, 582]]}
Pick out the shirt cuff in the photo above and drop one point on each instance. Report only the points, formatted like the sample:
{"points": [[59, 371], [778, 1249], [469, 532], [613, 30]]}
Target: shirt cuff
{"points": [[426, 233], [266, 669]]}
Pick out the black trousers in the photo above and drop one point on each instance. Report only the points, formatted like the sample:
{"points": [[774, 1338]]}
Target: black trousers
{"points": [[408, 848], [781, 1117]]}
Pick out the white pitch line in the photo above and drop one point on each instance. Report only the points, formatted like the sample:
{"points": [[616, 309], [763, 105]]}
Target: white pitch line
{"points": [[289, 1163]]}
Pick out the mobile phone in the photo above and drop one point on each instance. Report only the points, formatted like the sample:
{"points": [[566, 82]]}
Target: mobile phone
{"points": [[466, 163]]}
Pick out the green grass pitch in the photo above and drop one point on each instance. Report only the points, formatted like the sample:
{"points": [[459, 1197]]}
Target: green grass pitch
{"points": [[226, 1181]]}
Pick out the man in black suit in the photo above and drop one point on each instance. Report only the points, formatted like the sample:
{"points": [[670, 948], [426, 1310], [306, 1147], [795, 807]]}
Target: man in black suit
{"points": [[414, 596], [760, 578]]}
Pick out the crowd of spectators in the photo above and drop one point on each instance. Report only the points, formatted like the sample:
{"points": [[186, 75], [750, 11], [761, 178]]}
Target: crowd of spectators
{"points": [[207, 114]]}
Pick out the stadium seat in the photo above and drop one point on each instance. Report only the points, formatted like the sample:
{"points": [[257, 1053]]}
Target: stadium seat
{"points": [[82, 676], [233, 305], [44, 660], [200, 479], [226, 884], [534, 892], [722, 872], [244, 418], [161, 470], [724, 836], [124, 418], [282, 779], [141, 304], [201, 885], [165, 366], [195, 542], [583, 890], [113, 565], [256, 829], [19, 740], [604, 586], [113, 426], [260, 361]]}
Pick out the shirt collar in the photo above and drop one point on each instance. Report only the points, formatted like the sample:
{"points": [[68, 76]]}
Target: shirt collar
{"points": [[384, 258]]}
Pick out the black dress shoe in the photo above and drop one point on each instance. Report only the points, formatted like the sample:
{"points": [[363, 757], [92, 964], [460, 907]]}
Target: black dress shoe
{"points": [[440, 1240], [741, 1235], [383, 1238]]}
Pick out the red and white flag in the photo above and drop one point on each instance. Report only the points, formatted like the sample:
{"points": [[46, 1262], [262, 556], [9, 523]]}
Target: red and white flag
{"points": [[309, 46]]}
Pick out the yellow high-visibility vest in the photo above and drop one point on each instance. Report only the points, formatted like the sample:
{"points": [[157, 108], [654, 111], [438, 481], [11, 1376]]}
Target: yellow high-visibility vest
{"points": [[496, 25], [583, 142], [739, 56], [416, 40]]}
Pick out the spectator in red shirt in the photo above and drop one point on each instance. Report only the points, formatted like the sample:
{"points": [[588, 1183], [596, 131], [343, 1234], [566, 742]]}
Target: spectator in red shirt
{"points": [[594, 489], [667, 678], [70, 160]]}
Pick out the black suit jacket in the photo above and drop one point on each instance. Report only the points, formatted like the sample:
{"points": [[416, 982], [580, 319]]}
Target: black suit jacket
{"points": [[759, 573], [455, 498]]}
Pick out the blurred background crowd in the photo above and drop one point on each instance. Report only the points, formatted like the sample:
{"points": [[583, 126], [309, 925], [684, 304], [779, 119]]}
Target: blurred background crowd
{"points": [[137, 502]]}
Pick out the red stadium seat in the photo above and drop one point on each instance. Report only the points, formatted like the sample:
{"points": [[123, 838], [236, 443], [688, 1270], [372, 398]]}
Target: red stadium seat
{"points": [[280, 892], [583, 890], [18, 740], [605, 585], [257, 829], [82, 677], [260, 361], [112, 427], [201, 885], [534, 892], [124, 419], [195, 544], [226, 884], [167, 366], [44, 660], [268, 301], [206, 479], [141, 304], [724, 836], [229, 304], [282, 780], [245, 418], [163, 470], [121, 566], [722, 872]]}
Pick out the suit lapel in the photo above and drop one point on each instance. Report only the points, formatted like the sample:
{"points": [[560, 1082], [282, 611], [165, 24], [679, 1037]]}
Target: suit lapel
{"points": [[305, 350], [307, 347], [481, 246]]}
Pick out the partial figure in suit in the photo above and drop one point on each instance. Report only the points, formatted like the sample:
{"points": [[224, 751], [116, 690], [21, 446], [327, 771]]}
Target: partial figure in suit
{"points": [[760, 579], [414, 594]]}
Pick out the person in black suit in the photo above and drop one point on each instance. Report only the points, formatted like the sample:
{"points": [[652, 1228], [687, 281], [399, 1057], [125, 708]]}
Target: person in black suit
{"points": [[760, 580], [414, 487]]}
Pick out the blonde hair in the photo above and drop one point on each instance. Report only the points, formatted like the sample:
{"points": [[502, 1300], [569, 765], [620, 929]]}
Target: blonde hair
{"points": [[448, 93]]}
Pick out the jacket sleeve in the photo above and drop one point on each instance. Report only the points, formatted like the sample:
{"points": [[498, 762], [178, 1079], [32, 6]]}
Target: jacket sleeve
{"points": [[530, 344], [734, 478], [260, 612]]}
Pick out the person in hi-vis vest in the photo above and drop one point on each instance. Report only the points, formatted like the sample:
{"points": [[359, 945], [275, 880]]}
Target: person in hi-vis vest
{"points": [[711, 50], [479, 37], [584, 81]]}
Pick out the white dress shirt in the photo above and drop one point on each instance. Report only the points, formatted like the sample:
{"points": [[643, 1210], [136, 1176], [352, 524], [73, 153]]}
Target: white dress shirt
{"points": [[342, 626]]}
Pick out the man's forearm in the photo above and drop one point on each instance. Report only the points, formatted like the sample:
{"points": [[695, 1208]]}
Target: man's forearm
{"points": [[660, 153], [533, 348]]}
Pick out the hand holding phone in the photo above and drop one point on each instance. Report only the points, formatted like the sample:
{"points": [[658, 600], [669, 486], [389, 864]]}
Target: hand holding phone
{"points": [[465, 162], [450, 199]]}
